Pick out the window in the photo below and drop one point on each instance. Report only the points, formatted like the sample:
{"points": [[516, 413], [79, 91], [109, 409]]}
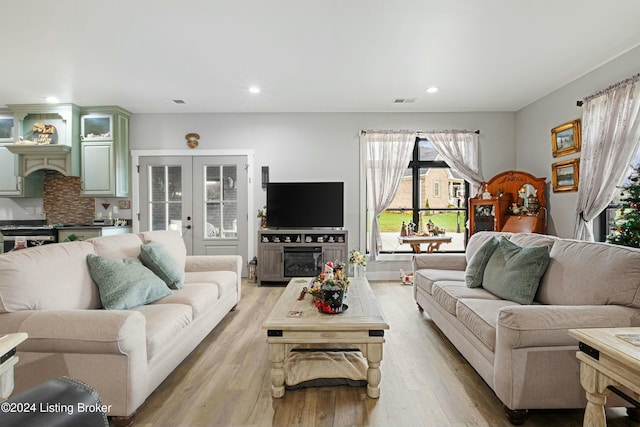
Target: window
{"points": [[609, 215], [430, 193]]}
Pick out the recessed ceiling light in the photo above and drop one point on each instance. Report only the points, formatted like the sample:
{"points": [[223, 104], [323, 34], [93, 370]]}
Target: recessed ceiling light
{"points": [[52, 100], [432, 89], [254, 89]]}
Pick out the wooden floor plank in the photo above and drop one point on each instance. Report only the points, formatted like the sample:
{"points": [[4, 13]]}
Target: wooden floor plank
{"points": [[226, 380]]}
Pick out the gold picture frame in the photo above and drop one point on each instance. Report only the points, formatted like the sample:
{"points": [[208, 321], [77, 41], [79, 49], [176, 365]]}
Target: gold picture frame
{"points": [[566, 139], [565, 175]]}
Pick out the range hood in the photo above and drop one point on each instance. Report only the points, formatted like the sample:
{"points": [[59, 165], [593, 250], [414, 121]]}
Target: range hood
{"points": [[45, 156]]}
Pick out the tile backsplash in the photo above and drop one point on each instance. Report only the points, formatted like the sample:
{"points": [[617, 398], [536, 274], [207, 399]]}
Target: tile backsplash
{"points": [[62, 201]]}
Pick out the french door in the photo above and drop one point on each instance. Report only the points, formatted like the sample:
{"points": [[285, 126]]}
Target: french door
{"points": [[205, 198]]}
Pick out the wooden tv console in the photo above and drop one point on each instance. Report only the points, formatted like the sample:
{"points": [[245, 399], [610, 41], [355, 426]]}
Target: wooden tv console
{"points": [[275, 246]]}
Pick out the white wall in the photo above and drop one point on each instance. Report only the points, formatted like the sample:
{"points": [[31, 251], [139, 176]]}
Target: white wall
{"points": [[533, 132], [317, 146]]}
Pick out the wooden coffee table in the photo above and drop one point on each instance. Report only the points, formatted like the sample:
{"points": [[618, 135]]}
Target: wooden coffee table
{"points": [[361, 325], [606, 360], [8, 360]]}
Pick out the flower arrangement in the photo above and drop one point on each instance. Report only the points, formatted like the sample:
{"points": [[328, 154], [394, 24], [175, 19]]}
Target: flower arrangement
{"points": [[333, 274], [262, 214], [356, 258]]}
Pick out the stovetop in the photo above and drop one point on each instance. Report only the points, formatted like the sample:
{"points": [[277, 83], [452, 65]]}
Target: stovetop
{"points": [[27, 227], [24, 223]]}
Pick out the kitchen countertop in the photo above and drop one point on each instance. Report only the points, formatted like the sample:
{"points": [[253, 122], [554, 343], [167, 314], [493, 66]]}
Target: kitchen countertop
{"points": [[87, 226]]}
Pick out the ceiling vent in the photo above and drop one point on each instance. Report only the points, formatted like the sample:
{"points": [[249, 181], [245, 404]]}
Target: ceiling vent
{"points": [[179, 101], [404, 100]]}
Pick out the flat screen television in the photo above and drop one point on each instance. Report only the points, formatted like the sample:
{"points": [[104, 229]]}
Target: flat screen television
{"points": [[305, 204]]}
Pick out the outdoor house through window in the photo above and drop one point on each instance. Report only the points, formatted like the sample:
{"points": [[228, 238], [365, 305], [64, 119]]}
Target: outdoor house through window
{"points": [[430, 193]]}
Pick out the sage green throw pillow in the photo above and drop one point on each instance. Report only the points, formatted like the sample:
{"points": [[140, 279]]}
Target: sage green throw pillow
{"points": [[475, 269], [125, 283], [160, 261], [513, 272]]}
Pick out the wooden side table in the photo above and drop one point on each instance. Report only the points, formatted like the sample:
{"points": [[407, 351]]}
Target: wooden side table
{"points": [[8, 360], [434, 242], [606, 360]]}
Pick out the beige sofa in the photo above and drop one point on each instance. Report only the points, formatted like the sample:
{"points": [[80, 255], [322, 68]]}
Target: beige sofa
{"points": [[48, 293], [523, 352]]}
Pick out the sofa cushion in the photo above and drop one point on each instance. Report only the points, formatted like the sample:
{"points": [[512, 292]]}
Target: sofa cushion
{"points": [[227, 281], [447, 294], [172, 242], [425, 278], [590, 273], [155, 257], [48, 277], [125, 283], [533, 239], [513, 272], [117, 246], [164, 322], [200, 296], [478, 239], [480, 317], [475, 268]]}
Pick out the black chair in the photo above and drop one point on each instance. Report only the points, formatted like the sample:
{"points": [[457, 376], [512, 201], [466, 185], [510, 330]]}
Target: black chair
{"points": [[59, 402]]}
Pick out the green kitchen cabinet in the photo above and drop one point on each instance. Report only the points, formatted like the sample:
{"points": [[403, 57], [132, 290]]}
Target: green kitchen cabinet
{"points": [[104, 155]]}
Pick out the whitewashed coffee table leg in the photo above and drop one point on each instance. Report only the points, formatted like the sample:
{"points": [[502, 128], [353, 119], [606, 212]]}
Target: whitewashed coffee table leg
{"points": [[374, 356], [276, 355], [595, 384]]}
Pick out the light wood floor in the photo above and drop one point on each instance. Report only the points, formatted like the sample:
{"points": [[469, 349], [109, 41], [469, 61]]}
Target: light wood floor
{"points": [[425, 381]]}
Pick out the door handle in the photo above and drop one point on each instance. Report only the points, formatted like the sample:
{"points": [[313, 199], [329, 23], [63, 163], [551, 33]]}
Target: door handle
{"points": [[188, 227]]}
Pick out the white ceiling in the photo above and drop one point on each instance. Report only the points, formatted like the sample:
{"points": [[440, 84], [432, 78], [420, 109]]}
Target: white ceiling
{"points": [[306, 55]]}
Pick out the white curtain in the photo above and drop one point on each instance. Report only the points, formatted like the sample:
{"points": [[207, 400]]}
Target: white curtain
{"points": [[388, 156], [459, 149], [611, 131]]}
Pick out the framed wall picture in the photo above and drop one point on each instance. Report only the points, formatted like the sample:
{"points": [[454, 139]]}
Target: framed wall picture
{"points": [[565, 175], [566, 139]]}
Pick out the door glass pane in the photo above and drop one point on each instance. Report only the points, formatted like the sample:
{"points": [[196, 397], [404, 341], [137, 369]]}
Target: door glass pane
{"points": [[212, 228], [220, 201], [230, 219], [174, 177], [229, 187], [165, 206]]}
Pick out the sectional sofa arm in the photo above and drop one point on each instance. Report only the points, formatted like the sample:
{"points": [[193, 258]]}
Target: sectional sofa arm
{"points": [[214, 263], [78, 331], [440, 261], [547, 325]]}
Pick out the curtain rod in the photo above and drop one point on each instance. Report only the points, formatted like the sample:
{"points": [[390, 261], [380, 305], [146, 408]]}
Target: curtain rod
{"points": [[624, 82], [477, 131]]}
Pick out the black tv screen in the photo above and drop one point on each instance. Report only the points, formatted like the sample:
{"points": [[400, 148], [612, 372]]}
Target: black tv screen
{"points": [[305, 204]]}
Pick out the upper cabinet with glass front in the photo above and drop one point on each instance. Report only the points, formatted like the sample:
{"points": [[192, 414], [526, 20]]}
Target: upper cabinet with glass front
{"points": [[9, 167], [96, 127], [12, 183], [104, 135]]}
